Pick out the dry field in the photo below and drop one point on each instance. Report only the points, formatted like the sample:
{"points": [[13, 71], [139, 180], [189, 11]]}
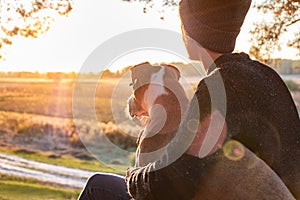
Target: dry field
{"points": [[38, 115]]}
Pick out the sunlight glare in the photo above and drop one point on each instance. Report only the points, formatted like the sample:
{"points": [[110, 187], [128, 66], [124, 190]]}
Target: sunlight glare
{"points": [[138, 56]]}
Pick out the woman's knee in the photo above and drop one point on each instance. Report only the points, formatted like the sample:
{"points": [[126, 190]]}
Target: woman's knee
{"points": [[96, 180], [102, 179], [102, 185]]}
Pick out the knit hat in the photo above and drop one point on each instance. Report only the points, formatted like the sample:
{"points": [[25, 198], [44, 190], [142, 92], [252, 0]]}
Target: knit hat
{"points": [[214, 24]]}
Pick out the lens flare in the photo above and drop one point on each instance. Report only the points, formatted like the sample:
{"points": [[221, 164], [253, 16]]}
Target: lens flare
{"points": [[233, 150], [192, 125]]}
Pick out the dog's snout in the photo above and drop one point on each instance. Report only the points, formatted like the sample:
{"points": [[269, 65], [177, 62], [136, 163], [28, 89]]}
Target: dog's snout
{"points": [[132, 107], [135, 109]]}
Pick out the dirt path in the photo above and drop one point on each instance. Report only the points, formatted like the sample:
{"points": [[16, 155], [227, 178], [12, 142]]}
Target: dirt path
{"points": [[17, 166]]}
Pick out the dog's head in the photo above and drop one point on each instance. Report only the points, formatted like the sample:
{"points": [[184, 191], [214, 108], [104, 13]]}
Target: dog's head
{"points": [[145, 75]]}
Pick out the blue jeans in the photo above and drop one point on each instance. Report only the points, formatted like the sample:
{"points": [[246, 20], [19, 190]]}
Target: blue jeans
{"points": [[105, 186]]}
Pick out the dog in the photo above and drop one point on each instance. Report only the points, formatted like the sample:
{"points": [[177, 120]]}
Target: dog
{"points": [[159, 102]]}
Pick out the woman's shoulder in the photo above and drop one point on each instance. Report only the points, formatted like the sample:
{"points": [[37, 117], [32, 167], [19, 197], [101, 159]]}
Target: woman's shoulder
{"points": [[239, 63]]}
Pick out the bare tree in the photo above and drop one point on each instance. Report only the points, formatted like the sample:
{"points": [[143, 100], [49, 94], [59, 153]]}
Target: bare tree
{"points": [[279, 18], [160, 5], [152, 3], [28, 18]]}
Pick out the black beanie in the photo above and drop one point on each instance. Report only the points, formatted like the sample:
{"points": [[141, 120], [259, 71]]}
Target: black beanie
{"points": [[214, 24]]}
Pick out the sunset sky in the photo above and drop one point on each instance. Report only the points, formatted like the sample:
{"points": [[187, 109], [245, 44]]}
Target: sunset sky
{"points": [[71, 39]]}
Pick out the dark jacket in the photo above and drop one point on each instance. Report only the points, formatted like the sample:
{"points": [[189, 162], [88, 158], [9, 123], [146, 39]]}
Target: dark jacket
{"points": [[259, 112]]}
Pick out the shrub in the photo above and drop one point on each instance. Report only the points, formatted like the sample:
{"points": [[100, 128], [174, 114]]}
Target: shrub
{"points": [[292, 85]]}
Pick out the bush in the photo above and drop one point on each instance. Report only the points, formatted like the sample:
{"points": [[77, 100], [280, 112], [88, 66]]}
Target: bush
{"points": [[121, 139], [292, 85], [55, 133]]}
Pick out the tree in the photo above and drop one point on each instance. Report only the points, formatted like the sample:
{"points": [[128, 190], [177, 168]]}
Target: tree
{"points": [[159, 5], [28, 18], [279, 17]]}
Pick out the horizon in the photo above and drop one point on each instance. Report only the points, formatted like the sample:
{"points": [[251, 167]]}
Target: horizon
{"points": [[116, 70]]}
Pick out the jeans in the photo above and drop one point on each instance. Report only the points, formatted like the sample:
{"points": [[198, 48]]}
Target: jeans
{"points": [[105, 186]]}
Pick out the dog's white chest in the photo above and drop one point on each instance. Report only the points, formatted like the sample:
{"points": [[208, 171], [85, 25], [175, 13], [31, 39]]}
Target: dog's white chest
{"points": [[156, 87]]}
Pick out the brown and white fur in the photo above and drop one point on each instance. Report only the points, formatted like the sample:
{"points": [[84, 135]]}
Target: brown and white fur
{"points": [[159, 101]]}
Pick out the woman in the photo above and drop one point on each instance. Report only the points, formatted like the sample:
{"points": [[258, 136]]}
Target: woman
{"points": [[258, 109]]}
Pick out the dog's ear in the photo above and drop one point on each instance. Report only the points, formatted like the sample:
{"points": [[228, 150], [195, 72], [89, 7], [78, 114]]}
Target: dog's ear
{"points": [[171, 71], [141, 74], [133, 68], [138, 73]]}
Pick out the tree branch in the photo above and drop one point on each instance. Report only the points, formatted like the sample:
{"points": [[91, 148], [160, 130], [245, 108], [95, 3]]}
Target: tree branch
{"points": [[293, 22]]}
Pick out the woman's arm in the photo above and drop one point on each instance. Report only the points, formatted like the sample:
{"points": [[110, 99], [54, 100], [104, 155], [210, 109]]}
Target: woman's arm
{"points": [[178, 180]]}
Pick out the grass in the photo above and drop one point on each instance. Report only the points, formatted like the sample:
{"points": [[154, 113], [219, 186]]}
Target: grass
{"points": [[56, 141], [292, 85], [19, 188], [13, 190], [24, 107], [55, 99], [67, 161], [23, 110]]}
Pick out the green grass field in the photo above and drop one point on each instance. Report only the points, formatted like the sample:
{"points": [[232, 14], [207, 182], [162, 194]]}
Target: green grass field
{"points": [[14, 190], [18, 188], [67, 161]]}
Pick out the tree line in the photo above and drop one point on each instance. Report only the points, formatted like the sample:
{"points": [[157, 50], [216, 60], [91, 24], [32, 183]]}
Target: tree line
{"points": [[63, 75]]}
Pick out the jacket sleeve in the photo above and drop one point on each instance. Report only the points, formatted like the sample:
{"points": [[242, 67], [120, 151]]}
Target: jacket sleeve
{"points": [[178, 180]]}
